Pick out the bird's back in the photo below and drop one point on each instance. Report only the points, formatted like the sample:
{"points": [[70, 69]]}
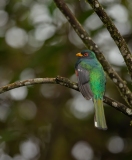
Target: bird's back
{"points": [[96, 77], [97, 82]]}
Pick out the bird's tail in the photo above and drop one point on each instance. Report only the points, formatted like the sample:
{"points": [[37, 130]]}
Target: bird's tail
{"points": [[100, 121]]}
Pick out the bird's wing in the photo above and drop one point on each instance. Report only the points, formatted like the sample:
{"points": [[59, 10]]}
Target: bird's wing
{"points": [[83, 82]]}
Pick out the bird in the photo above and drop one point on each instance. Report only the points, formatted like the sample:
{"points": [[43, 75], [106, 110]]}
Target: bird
{"points": [[91, 82]]}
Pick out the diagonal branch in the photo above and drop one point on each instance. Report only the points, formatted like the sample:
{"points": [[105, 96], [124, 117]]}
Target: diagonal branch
{"points": [[124, 90], [119, 40], [67, 83]]}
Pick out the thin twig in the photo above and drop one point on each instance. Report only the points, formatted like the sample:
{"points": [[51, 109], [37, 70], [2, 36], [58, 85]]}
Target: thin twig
{"points": [[115, 34], [124, 90], [67, 83]]}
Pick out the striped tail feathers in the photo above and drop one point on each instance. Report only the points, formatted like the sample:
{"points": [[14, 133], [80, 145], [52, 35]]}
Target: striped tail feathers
{"points": [[99, 121]]}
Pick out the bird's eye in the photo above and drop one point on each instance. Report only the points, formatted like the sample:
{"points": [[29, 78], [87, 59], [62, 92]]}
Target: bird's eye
{"points": [[85, 54]]}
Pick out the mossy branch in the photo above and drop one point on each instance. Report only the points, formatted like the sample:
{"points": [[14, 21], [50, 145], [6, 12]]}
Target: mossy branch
{"points": [[124, 90], [67, 83], [115, 34]]}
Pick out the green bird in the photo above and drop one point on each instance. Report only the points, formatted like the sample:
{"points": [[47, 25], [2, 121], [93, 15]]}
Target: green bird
{"points": [[91, 83]]}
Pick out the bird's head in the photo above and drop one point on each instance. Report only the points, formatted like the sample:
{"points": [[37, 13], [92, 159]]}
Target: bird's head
{"points": [[86, 54]]}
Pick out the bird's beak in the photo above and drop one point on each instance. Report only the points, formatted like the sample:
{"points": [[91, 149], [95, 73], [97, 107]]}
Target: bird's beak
{"points": [[79, 55]]}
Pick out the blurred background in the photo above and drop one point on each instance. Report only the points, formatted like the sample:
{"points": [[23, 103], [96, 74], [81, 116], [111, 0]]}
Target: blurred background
{"points": [[52, 122]]}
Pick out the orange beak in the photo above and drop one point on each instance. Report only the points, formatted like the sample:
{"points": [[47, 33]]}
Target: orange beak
{"points": [[79, 55]]}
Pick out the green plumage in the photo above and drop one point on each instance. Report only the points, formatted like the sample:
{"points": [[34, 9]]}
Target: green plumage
{"points": [[99, 114], [92, 70]]}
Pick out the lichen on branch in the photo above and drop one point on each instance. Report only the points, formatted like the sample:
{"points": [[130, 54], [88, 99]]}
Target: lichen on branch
{"points": [[122, 87], [115, 34], [66, 83]]}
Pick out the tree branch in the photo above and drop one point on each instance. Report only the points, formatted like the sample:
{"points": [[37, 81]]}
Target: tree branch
{"points": [[67, 83], [115, 34], [124, 90], [26, 83]]}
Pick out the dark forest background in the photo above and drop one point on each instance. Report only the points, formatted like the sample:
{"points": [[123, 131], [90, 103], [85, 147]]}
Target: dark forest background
{"points": [[52, 122]]}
